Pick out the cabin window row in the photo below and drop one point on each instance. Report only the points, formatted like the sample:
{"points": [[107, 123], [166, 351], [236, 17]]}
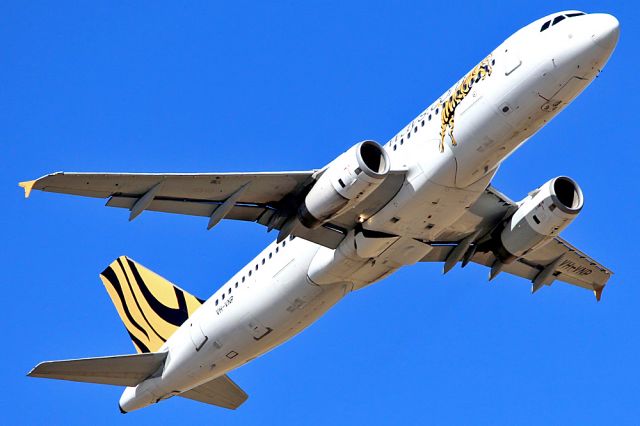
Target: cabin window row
{"points": [[437, 110], [257, 265], [415, 130]]}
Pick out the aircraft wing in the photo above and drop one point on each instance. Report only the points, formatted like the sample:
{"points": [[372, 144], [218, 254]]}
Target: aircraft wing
{"points": [[556, 260], [268, 198]]}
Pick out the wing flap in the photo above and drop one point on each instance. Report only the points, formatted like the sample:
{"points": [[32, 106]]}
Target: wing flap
{"points": [[222, 392], [249, 213], [575, 268], [120, 370]]}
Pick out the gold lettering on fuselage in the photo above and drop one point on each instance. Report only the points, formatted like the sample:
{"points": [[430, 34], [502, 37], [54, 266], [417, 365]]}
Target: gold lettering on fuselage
{"points": [[480, 72]]}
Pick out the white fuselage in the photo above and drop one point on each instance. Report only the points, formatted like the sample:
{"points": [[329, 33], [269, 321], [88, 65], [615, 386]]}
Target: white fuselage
{"points": [[525, 82]]}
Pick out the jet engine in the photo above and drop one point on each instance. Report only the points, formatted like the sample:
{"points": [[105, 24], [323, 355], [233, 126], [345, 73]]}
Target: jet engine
{"points": [[346, 181], [540, 217]]}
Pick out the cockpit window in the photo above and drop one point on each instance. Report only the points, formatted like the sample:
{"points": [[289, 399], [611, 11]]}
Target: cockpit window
{"points": [[560, 18], [557, 19]]}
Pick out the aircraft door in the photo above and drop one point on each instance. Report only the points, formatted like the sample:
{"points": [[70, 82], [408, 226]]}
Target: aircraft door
{"points": [[512, 62], [197, 336]]}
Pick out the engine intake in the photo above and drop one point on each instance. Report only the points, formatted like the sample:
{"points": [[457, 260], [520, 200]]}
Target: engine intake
{"points": [[346, 181], [540, 217]]}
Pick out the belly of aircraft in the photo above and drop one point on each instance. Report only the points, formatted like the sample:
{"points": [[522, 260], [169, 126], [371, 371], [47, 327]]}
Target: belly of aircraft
{"points": [[269, 312]]}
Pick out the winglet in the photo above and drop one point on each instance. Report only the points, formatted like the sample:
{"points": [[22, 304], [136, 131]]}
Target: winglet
{"points": [[598, 292], [28, 186]]}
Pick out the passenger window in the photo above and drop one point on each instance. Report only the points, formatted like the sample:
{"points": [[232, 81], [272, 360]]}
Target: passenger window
{"points": [[216, 302], [270, 255], [222, 296], [242, 279], [277, 249], [263, 260], [422, 123], [249, 272], [394, 147], [229, 290], [236, 284], [284, 243], [545, 26], [557, 19], [256, 266]]}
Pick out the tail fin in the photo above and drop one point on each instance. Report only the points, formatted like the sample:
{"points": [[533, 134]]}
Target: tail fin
{"points": [[150, 307]]}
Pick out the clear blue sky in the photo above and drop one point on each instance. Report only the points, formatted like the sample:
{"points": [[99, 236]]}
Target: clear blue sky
{"points": [[93, 86]]}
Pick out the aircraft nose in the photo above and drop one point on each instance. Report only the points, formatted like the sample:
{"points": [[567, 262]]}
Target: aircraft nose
{"points": [[606, 31]]}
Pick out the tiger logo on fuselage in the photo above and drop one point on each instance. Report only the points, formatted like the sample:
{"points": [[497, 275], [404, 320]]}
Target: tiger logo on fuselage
{"points": [[480, 72]]}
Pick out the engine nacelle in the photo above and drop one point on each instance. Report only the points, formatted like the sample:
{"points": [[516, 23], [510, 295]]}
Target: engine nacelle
{"points": [[540, 217], [348, 180]]}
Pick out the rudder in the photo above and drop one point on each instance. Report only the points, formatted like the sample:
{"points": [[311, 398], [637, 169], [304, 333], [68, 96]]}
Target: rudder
{"points": [[150, 307]]}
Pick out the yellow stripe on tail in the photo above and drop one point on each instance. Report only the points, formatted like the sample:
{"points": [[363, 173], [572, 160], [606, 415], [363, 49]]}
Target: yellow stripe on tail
{"points": [[150, 307]]}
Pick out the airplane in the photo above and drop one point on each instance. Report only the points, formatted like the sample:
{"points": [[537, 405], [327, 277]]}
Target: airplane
{"points": [[424, 196]]}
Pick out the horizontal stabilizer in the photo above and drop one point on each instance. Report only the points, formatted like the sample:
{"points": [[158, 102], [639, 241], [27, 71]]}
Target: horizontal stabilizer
{"points": [[222, 392], [120, 370]]}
